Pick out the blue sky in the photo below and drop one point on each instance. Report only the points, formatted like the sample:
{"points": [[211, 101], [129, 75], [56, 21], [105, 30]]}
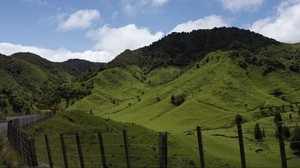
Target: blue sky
{"points": [[98, 30]]}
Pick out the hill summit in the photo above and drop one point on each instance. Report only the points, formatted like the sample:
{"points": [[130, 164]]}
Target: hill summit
{"points": [[181, 49]]}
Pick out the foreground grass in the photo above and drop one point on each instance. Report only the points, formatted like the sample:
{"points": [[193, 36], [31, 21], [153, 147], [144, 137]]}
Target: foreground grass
{"points": [[221, 145]]}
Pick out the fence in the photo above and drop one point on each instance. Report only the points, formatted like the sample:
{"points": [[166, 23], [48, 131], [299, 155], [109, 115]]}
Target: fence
{"points": [[130, 150], [21, 142], [78, 150]]}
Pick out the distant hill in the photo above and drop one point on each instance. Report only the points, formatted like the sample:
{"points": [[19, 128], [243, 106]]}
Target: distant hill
{"points": [[30, 82]]}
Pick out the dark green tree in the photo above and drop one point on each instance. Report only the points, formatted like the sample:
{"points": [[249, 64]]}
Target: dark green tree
{"points": [[295, 140], [286, 133], [277, 117], [257, 132]]}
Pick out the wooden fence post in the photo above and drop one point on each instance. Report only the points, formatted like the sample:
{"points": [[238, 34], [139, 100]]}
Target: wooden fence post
{"points": [[163, 150], [200, 146], [281, 145], [33, 155], [64, 150], [102, 151], [80, 154], [241, 143], [126, 143], [48, 151]]}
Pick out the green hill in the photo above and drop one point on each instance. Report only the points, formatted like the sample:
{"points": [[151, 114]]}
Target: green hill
{"points": [[215, 88], [29, 83], [203, 78]]}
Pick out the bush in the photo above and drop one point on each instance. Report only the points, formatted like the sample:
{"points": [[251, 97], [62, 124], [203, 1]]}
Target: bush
{"points": [[177, 100], [277, 118], [295, 140], [257, 132]]}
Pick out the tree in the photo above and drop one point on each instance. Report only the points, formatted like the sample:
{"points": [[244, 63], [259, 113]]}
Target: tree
{"points": [[277, 117], [295, 139], [286, 132], [257, 132]]}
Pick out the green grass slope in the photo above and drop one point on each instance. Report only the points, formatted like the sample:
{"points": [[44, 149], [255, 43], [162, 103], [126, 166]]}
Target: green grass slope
{"points": [[215, 88]]}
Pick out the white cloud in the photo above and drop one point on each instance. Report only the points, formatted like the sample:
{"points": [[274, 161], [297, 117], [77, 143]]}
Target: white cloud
{"points": [[79, 20], [109, 43], [116, 40], [284, 25], [159, 2], [236, 5], [131, 7], [58, 55], [203, 23]]}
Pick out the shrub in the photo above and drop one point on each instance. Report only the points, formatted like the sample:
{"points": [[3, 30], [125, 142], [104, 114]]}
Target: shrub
{"points": [[295, 140], [257, 132], [277, 117], [177, 100]]}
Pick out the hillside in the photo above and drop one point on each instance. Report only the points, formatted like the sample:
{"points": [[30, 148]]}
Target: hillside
{"points": [[29, 83], [255, 80], [203, 78], [182, 49]]}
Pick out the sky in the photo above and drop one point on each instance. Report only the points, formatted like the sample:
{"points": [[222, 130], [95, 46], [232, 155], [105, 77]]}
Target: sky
{"points": [[99, 30]]}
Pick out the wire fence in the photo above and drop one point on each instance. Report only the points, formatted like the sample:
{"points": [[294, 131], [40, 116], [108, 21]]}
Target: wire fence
{"points": [[21, 142], [122, 149]]}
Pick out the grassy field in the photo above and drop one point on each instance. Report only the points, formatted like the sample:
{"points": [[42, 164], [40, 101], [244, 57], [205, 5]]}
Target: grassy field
{"points": [[220, 145]]}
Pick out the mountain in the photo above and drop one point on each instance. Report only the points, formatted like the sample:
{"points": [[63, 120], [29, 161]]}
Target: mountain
{"points": [[181, 49], [229, 71], [30, 82], [203, 77]]}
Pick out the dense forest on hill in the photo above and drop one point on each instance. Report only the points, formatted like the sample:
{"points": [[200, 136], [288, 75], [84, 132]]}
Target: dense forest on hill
{"points": [[181, 49]]}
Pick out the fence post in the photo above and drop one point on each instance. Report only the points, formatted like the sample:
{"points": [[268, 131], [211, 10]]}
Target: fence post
{"points": [[101, 144], [33, 155], [64, 151], [79, 150], [241, 143], [48, 151], [200, 146], [126, 143], [281, 145], [163, 150]]}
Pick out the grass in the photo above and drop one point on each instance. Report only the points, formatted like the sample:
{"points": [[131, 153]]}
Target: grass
{"points": [[221, 147]]}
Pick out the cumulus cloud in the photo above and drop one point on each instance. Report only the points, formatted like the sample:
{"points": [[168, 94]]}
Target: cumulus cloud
{"points": [[284, 25], [116, 40], [207, 22], [236, 5], [58, 55], [79, 20], [132, 6], [109, 43]]}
